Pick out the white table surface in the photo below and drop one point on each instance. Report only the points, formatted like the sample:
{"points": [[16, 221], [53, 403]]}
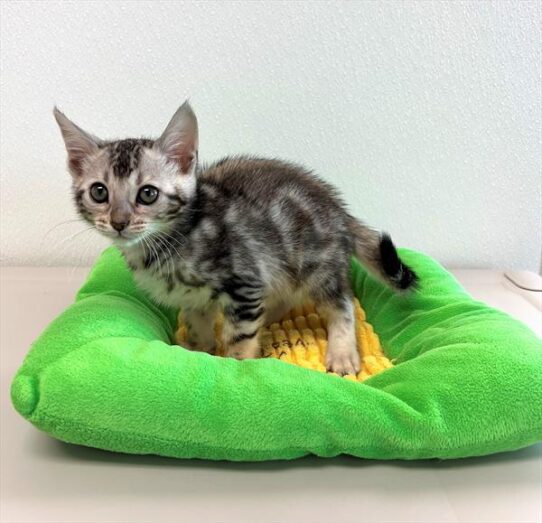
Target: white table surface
{"points": [[43, 480]]}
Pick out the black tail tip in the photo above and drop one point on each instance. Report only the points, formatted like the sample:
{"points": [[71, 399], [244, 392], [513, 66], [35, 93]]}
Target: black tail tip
{"points": [[401, 276]]}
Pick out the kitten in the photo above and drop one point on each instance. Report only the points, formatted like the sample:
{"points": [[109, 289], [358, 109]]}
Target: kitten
{"points": [[253, 237]]}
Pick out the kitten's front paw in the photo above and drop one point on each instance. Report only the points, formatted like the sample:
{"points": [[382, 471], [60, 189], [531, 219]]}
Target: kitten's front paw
{"points": [[244, 350], [196, 345], [343, 362]]}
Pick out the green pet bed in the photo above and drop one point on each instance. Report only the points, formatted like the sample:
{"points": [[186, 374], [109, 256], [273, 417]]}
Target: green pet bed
{"points": [[466, 380]]}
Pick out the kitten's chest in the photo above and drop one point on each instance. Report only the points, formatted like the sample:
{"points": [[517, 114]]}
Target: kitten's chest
{"points": [[169, 290], [175, 285]]}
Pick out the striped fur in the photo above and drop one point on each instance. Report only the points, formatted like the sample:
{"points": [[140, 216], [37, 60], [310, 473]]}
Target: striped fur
{"points": [[251, 236]]}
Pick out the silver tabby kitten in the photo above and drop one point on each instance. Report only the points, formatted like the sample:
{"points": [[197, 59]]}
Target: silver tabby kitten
{"points": [[251, 236]]}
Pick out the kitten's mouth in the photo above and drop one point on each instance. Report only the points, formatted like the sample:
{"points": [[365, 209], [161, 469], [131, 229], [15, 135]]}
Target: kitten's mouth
{"points": [[125, 240], [125, 237]]}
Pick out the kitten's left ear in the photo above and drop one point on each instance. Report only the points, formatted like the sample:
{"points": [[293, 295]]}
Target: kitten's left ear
{"points": [[180, 139]]}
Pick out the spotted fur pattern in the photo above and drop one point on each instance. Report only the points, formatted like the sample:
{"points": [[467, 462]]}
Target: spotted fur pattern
{"points": [[250, 236]]}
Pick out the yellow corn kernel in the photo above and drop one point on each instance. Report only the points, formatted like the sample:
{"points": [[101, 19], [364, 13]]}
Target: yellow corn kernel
{"points": [[314, 321], [284, 349], [361, 340], [287, 325], [321, 341], [266, 340], [363, 375], [360, 313], [385, 362], [372, 365], [299, 350], [300, 322], [312, 350]]}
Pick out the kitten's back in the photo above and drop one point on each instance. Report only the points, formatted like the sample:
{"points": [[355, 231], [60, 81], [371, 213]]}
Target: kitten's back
{"points": [[260, 180], [309, 213]]}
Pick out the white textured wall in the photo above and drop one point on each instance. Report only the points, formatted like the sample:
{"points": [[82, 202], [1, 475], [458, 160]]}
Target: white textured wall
{"points": [[426, 115]]}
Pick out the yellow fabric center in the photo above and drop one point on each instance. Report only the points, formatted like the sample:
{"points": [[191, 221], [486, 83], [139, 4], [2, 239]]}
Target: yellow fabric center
{"points": [[300, 338]]}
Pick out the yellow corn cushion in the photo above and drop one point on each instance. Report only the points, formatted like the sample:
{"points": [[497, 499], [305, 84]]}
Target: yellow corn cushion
{"points": [[300, 338]]}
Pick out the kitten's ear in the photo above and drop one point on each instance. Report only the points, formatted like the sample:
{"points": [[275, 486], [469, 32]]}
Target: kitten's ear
{"points": [[79, 143], [179, 142]]}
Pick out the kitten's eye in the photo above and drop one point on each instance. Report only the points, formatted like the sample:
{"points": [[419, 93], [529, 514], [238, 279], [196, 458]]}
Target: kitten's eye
{"points": [[147, 195], [98, 192]]}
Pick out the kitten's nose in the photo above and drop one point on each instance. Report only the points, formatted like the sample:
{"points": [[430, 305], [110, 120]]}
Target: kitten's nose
{"points": [[119, 226]]}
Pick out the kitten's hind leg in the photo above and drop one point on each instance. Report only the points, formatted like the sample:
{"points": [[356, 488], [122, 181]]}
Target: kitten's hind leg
{"points": [[242, 323], [342, 356]]}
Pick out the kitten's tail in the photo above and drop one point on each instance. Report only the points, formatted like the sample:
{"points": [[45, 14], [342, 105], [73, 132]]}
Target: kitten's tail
{"points": [[377, 252]]}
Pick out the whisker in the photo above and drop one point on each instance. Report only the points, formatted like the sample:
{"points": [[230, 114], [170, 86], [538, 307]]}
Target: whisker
{"points": [[175, 240], [169, 260], [61, 248], [166, 242], [75, 235], [66, 222], [154, 253], [169, 244], [176, 231]]}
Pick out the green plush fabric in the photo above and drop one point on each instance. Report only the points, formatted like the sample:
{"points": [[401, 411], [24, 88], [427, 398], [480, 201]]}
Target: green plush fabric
{"points": [[467, 380]]}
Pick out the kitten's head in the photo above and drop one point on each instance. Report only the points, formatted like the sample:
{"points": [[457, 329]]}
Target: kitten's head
{"points": [[133, 188]]}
